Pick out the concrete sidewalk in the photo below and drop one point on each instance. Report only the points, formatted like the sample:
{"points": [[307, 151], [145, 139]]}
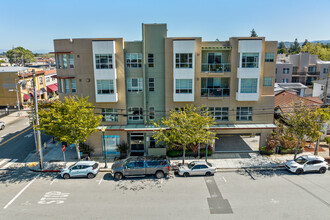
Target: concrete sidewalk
{"points": [[14, 116]]}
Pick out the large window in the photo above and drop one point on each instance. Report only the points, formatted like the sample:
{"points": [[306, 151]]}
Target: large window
{"points": [[268, 81], [150, 60], [250, 60], [66, 85], [134, 60], [183, 60], [286, 70], [111, 142], [215, 87], [109, 114], [249, 85], [151, 84], [285, 80], [183, 86], [65, 61], [71, 61], [59, 61], [219, 113], [103, 61], [214, 58], [135, 113], [312, 69], [105, 87], [151, 113], [73, 86], [294, 69], [134, 84], [269, 57], [244, 114]]}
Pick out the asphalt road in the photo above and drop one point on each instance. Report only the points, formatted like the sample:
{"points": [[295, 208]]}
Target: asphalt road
{"points": [[17, 140], [230, 195]]}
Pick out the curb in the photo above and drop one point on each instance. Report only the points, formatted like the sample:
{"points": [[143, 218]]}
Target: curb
{"points": [[45, 171]]}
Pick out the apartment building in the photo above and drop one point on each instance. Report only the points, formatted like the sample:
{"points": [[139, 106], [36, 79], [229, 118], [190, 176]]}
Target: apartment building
{"points": [[300, 68], [134, 83]]}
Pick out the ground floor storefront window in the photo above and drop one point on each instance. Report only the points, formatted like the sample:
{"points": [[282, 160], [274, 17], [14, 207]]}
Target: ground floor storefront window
{"points": [[110, 143]]}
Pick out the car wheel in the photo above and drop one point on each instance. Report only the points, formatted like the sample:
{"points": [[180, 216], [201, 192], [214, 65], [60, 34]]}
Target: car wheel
{"points": [[90, 176], [323, 170], [299, 171], [186, 174], [159, 174], [66, 176], [118, 176], [208, 173], [2, 127]]}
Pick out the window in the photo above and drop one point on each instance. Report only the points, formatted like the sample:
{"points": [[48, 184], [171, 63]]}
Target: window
{"points": [[73, 86], [135, 113], [219, 113], [325, 70], [66, 85], [294, 69], [111, 142], [215, 87], [150, 60], [65, 61], [268, 81], [71, 61], [105, 87], [250, 60], [134, 60], [139, 164], [47, 79], [59, 61], [151, 113], [40, 80], [249, 85], [103, 61], [151, 84], [134, 84], [60, 88], [109, 114], [183, 60], [244, 114], [269, 57], [183, 86], [203, 167], [312, 69], [276, 70], [214, 58], [286, 70], [285, 80], [322, 88]]}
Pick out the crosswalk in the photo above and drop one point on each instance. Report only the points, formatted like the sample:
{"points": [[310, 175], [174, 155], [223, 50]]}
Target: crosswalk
{"points": [[7, 163]]}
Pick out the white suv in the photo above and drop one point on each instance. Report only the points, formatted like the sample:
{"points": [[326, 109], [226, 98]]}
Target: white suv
{"points": [[80, 169], [2, 125], [307, 163]]}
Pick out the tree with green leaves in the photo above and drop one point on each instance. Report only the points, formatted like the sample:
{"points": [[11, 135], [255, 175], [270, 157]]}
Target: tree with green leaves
{"points": [[305, 42], [254, 33], [281, 48], [322, 51], [295, 47], [19, 55], [71, 120], [187, 126]]}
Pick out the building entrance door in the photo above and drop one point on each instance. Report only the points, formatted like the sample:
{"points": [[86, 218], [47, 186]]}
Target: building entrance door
{"points": [[137, 143]]}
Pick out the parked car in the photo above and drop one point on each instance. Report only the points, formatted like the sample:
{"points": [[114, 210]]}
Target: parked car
{"points": [[307, 163], [2, 125], [87, 169], [197, 168], [141, 166]]}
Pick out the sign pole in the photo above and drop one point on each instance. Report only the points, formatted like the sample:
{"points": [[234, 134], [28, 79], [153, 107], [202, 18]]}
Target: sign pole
{"points": [[63, 150]]}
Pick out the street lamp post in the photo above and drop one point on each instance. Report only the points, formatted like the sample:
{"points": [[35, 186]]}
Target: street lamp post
{"points": [[18, 104], [103, 143]]}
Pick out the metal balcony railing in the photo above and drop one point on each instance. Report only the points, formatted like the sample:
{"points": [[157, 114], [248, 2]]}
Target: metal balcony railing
{"points": [[215, 92], [216, 68]]}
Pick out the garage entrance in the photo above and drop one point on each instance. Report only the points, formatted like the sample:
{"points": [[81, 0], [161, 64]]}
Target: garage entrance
{"points": [[236, 143]]}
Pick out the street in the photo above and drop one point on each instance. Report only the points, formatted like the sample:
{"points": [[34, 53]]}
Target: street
{"points": [[227, 195]]}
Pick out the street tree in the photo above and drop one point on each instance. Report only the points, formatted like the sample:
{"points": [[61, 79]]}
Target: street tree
{"points": [[71, 120], [185, 127], [20, 55], [254, 33], [295, 47], [281, 48]]}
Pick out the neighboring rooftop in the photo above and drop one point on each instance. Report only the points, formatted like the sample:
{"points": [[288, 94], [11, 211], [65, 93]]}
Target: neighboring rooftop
{"points": [[321, 81], [291, 86], [7, 69]]}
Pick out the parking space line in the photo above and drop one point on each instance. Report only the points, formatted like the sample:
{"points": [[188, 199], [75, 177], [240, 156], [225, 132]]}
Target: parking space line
{"points": [[100, 181], [8, 164], [54, 180], [18, 194], [224, 179], [4, 161]]}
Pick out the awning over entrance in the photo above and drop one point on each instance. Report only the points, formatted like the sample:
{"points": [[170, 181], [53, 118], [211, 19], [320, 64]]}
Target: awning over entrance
{"points": [[52, 88], [26, 97], [215, 127]]}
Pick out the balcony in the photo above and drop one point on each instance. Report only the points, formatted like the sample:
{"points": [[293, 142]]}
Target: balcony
{"points": [[305, 73], [216, 68], [215, 92], [313, 73]]}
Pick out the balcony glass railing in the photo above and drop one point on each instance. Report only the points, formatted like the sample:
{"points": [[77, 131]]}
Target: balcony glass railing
{"points": [[216, 68], [215, 92]]}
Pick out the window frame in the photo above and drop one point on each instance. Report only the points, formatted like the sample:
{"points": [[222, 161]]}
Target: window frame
{"points": [[109, 114], [66, 86], [267, 81], [249, 88], [151, 84], [100, 90], [136, 117], [219, 113], [71, 61], [269, 57], [73, 86], [286, 70], [137, 88], [108, 64], [244, 117], [179, 90], [245, 62], [151, 113], [180, 63], [136, 64], [151, 60], [65, 61]]}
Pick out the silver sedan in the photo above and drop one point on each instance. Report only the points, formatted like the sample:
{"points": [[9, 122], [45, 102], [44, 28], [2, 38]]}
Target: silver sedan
{"points": [[197, 168]]}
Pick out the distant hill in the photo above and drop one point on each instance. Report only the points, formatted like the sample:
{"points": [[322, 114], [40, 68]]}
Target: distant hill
{"points": [[288, 43]]}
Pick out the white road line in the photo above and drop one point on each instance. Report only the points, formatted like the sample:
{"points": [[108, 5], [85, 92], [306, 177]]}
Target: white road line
{"points": [[53, 181], [224, 179], [18, 194], [4, 161], [100, 181], [8, 164]]}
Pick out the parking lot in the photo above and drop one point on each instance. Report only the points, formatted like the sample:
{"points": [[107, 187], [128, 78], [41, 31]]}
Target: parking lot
{"points": [[245, 194]]}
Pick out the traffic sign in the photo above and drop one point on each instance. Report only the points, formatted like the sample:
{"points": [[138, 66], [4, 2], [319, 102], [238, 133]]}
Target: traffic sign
{"points": [[63, 148]]}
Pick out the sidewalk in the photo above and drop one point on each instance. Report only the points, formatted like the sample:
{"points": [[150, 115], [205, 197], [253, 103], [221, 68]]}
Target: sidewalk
{"points": [[14, 116]]}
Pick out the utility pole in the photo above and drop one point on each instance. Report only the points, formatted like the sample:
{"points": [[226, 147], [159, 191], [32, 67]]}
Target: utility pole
{"points": [[18, 104], [37, 121], [325, 93]]}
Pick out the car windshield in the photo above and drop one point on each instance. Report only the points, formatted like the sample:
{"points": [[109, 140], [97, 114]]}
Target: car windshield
{"points": [[300, 160], [72, 165], [191, 165]]}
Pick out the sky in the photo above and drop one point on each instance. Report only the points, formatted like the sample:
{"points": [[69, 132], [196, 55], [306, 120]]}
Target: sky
{"points": [[35, 24]]}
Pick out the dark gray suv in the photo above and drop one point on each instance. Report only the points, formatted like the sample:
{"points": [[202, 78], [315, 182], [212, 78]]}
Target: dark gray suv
{"points": [[138, 166]]}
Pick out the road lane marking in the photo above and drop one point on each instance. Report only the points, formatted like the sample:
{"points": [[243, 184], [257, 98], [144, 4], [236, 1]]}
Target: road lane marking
{"points": [[8, 164], [100, 181], [53, 197], [224, 179], [29, 135], [54, 180], [15, 136], [4, 161], [18, 194]]}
